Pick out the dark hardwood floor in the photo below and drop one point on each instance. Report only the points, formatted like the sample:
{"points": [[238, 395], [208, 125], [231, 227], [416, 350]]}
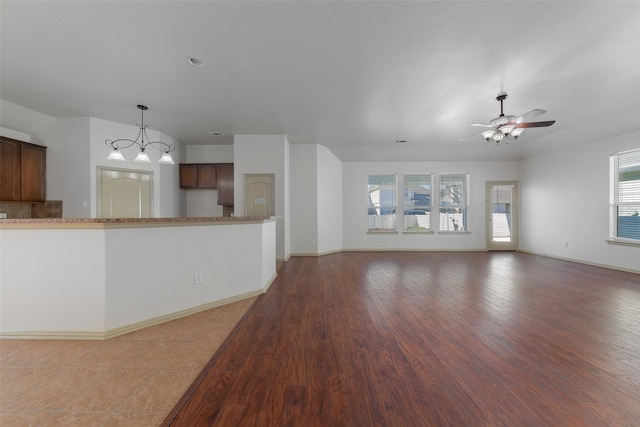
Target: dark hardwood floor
{"points": [[428, 339]]}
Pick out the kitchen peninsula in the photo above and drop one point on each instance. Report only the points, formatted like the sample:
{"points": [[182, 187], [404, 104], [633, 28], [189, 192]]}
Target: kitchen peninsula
{"points": [[99, 278]]}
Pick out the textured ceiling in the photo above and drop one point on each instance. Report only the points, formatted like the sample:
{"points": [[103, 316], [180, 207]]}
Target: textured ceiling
{"points": [[354, 76]]}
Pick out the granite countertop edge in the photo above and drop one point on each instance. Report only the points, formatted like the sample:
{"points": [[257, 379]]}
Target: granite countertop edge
{"points": [[131, 222]]}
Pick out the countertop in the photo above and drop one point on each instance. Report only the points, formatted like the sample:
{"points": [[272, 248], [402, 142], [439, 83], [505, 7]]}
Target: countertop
{"points": [[124, 222]]}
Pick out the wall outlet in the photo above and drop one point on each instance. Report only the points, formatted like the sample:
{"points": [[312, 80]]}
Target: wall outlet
{"points": [[198, 279], [566, 244]]}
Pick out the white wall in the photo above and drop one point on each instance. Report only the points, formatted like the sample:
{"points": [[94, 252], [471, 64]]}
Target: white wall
{"points": [[10, 133], [172, 198], [88, 282], [265, 154], [22, 120], [52, 280], [355, 202], [285, 223], [565, 199], [304, 199], [162, 281], [209, 154], [68, 171], [330, 205], [205, 202]]}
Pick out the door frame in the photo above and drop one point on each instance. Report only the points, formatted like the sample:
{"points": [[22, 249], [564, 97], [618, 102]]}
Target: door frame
{"points": [[513, 245], [99, 170]]}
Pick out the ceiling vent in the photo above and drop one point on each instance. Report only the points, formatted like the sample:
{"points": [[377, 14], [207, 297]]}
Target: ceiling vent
{"points": [[195, 62]]}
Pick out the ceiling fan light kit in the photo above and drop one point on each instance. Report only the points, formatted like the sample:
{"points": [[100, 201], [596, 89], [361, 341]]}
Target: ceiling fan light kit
{"points": [[508, 127]]}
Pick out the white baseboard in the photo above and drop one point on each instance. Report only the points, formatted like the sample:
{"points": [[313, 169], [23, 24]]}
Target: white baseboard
{"points": [[414, 250], [265, 288], [594, 264], [336, 251], [53, 335], [112, 333]]}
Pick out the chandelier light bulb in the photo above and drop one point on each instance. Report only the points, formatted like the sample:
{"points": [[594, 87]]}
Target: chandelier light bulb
{"points": [[488, 134], [166, 159], [142, 157], [516, 132], [507, 129], [116, 155]]}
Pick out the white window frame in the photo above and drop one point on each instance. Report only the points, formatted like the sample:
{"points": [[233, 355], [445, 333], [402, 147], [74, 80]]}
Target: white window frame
{"points": [[415, 223], [453, 222], [624, 198], [384, 219]]}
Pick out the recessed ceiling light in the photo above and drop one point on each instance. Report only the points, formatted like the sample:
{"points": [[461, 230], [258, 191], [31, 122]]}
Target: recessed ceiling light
{"points": [[401, 141], [195, 62], [216, 133]]}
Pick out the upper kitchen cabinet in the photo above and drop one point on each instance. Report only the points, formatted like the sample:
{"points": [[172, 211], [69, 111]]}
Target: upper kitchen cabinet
{"points": [[9, 169], [22, 171], [224, 178], [198, 175]]}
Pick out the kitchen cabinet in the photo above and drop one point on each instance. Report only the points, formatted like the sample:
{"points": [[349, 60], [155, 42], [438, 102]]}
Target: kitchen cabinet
{"points": [[22, 171], [9, 169], [224, 178], [209, 175], [198, 175]]}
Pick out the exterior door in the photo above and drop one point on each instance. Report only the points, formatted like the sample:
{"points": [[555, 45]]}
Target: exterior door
{"points": [[124, 193], [259, 195], [502, 215]]}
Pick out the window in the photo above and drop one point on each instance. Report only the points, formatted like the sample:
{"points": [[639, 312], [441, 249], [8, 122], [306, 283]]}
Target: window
{"points": [[624, 196], [453, 202], [382, 202], [417, 202]]}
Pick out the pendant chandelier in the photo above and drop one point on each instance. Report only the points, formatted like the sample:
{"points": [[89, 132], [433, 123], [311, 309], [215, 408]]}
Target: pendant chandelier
{"points": [[142, 156]]}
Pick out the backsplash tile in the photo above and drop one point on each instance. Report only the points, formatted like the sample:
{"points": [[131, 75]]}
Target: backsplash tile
{"points": [[46, 209]]}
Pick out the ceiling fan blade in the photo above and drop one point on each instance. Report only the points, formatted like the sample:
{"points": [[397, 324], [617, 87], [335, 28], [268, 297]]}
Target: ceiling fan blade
{"points": [[503, 120], [529, 115], [470, 136], [483, 125], [535, 124]]}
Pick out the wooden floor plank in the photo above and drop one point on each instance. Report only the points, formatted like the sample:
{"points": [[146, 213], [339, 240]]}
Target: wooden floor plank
{"points": [[428, 339]]}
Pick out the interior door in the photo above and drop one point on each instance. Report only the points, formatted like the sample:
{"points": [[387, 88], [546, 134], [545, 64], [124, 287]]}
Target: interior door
{"points": [[125, 193], [259, 195], [502, 215]]}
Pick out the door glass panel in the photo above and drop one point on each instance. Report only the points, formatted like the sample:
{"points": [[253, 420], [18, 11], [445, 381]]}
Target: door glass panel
{"points": [[501, 200]]}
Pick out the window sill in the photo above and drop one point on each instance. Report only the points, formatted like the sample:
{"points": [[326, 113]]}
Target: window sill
{"points": [[382, 232], [624, 242], [454, 232], [418, 232]]}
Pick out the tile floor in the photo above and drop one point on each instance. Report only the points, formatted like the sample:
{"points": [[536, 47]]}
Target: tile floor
{"points": [[131, 380]]}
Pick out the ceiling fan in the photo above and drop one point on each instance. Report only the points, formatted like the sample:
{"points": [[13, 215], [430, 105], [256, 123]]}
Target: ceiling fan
{"points": [[507, 126]]}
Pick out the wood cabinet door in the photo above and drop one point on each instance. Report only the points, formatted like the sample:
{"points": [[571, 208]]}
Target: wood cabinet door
{"points": [[32, 172], [198, 175], [188, 176], [207, 176], [9, 169], [224, 173]]}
